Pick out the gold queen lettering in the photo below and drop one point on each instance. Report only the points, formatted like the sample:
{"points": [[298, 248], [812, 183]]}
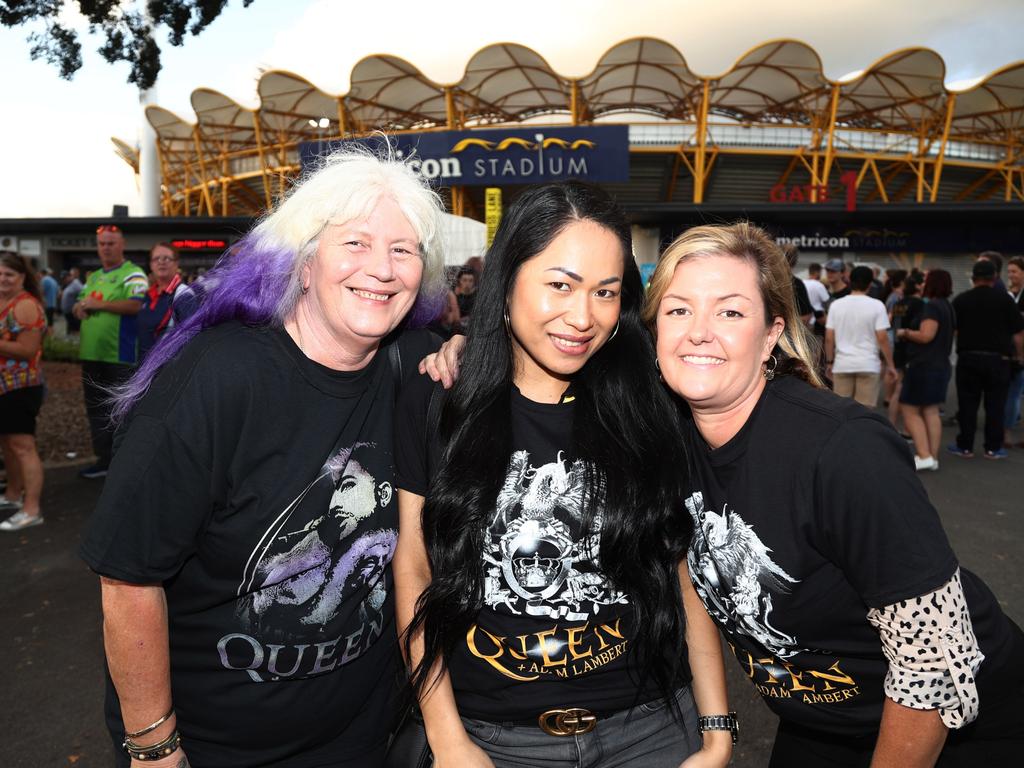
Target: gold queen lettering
{"points": [[780, 680], [562, 651]]}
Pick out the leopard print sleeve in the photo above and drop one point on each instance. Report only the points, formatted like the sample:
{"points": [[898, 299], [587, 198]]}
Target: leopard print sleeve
{"points": [[932, 652]]}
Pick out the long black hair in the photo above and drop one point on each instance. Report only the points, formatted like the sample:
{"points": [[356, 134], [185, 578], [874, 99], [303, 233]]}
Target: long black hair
{"points": [[624, 428]]}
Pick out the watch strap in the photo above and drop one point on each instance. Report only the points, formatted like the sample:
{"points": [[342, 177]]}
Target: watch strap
{"points": [[720, 723]]}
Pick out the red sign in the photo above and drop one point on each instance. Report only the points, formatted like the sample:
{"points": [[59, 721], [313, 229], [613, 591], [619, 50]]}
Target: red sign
{"points": [[198, 245], [816, 193]]}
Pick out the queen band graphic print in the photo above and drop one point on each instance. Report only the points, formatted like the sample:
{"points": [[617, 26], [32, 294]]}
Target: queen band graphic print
{"points": [[541, 554], [318, 573], [735, 576]]}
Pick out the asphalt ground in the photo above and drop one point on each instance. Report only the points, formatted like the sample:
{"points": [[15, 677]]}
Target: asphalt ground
{"points": [[51, 638]]}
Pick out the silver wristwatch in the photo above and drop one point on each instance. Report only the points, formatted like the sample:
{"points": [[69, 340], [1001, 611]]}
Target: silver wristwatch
{"points": [[721, 723]]}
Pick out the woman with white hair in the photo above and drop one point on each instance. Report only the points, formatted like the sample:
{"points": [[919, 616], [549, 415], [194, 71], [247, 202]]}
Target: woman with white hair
{"points": [[244, 552]]}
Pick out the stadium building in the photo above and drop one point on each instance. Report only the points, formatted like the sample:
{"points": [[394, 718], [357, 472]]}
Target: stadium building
{"points": [[887, 165]]}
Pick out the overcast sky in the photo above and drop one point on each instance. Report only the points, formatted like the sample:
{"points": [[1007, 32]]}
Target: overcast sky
{"points": [[55, 135]]}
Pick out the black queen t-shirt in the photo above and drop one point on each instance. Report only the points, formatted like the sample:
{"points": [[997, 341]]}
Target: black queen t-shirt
{"points": [[256, 486], [553, 631], [809, 516]]}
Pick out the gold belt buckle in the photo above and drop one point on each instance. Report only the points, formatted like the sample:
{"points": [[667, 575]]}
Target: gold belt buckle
{"points": [[567, 722]]}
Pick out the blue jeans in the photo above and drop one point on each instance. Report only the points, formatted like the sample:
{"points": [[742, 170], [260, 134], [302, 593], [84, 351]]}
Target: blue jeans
{"points": [[1012, 414], [647, 736]]}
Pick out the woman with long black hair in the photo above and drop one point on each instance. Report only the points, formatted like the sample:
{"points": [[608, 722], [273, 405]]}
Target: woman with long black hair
{"points": [[539, 571]]}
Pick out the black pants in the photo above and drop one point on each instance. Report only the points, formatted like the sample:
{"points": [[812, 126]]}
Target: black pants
{"points": [[981, 377], [98, 381], [996, 738], [799, 748]]}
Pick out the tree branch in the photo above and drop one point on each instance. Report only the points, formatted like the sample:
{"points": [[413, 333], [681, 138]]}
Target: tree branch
{"points": [[127, 34]]}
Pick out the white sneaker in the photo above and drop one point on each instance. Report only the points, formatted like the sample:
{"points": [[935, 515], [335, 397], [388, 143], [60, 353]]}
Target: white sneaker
{"points": [[19, 521], [929, 462]]}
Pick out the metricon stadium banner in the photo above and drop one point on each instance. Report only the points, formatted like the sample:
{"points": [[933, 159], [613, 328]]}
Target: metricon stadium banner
{"points": [[504, 156]]}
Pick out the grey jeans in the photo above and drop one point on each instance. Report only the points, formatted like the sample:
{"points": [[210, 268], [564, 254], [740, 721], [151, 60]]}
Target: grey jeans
{"points": [[647, 736]]}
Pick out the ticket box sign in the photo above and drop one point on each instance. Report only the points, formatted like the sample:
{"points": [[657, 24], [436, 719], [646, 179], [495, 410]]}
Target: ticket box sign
{"points": [[505, 156], [492, 212]]}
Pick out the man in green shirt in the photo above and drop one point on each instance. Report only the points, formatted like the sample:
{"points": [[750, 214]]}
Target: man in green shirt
{"points": [[107, 305]]}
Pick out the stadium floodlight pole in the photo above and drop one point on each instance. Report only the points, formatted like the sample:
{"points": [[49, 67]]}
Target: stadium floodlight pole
{"points": [[149, 162], [323, 124]]}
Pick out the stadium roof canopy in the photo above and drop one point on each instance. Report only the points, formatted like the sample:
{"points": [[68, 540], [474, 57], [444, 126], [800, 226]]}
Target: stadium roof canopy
{"points": [[895, 123]]}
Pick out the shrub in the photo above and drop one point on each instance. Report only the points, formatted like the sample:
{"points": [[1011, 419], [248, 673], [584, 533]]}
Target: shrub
{"points": [[60, 349]]}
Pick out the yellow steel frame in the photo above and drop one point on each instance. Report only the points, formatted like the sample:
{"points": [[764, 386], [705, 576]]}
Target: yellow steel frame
{"points": [[911, 163]]}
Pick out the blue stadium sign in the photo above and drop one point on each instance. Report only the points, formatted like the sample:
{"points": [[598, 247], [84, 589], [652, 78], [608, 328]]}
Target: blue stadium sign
{"points": [[505, 156]]}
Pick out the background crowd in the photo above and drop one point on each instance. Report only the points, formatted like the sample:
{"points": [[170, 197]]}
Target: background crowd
{"points": [[886, 340], [279, 345], [892, 340]]}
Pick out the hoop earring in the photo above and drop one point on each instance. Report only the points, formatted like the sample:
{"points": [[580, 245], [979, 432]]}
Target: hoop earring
{"points": [[615, 331], [769, 372], [508, 323]]}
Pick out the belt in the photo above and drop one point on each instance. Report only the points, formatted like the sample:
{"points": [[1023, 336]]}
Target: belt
{"points": [[573, 721], [563, 721]]}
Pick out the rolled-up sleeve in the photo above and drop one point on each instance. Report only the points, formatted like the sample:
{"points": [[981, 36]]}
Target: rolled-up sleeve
{"points": [[933, 653]]}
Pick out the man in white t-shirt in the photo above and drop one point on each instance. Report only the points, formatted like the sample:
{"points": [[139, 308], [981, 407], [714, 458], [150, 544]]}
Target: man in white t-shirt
{"points": [[817, 293], [855, 334]]}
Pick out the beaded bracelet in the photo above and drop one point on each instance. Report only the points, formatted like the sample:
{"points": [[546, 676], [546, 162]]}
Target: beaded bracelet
{"points": [[155, 752]]}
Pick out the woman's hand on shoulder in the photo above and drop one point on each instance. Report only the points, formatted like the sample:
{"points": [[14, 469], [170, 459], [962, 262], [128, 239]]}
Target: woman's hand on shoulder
{"points": [[716, 752], [443, 365], [464, 754]]}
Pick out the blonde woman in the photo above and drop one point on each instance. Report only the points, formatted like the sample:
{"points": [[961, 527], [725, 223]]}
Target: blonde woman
{"points": [[816, 550]]}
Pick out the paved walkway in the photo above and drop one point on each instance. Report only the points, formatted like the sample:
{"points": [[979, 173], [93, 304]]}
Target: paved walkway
{"points": [[52, 635]]}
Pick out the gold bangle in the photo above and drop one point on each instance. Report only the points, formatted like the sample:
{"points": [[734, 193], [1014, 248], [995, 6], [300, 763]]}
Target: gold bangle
{"points": [[151, 727]]}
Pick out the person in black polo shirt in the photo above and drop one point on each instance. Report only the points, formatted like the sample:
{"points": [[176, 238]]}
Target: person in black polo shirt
{"points": [[990, 334]]}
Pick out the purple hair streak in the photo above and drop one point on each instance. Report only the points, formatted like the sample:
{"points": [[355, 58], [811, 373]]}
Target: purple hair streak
{"points": [[258, 280], [253, 283]]}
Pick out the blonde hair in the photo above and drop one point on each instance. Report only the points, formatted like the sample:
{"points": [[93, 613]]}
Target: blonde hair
{"points": [[743, 240]]}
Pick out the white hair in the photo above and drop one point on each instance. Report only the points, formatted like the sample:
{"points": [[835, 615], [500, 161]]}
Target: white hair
{"points": [[344, 187]]}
